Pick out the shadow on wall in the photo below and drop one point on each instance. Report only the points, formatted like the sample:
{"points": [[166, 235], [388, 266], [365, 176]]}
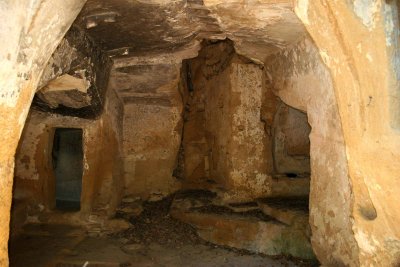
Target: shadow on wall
{"points": [[291, 142]]}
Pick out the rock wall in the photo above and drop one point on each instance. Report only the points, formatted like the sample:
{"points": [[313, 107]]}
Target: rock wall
{"points": [[224, 137], [75, 79], [299, 77], [247, 163], [237, 135], [205, 143], [152, 127], [358, 41], [24, 54], [102, 181]]}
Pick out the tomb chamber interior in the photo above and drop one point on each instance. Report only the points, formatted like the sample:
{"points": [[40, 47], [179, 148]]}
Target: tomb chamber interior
{"points": [[184, 133]]}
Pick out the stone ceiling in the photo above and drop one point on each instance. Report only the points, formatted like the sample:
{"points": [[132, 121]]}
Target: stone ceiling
{"points": [[150, 33], [137, 28]]}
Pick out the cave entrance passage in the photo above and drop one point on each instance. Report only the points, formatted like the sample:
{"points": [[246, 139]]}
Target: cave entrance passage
{"points": [[67, 159]]}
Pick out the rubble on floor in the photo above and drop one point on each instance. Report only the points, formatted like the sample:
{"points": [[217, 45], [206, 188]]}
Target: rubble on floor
{"points": [[153, 239], [155, 224]]}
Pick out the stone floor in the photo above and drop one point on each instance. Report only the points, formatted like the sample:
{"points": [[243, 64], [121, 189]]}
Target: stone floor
{"points": [[154, 238], [65, 246]]}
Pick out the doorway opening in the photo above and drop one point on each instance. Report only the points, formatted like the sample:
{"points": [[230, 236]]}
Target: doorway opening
{"points": [[67, 161], [291, 142]]}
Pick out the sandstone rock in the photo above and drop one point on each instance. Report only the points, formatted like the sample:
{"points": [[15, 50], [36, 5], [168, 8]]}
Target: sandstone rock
{"points": [[130, 199], [243, 207], [245, 230], [268, 237], [347, 83], [291, 149], [132, 248], [150, 95], [130, 206], [136, 210], [225, 140], [282, 186], [290, 211], [66, 90], [115, 225]]}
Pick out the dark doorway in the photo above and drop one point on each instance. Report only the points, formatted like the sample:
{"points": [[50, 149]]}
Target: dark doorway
{"points": [[67, 157]]}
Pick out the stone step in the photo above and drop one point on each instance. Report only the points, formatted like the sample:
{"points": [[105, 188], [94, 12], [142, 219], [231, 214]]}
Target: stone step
{"points": [[283, 186], [251, 230], [286, 210], [243, 207]]}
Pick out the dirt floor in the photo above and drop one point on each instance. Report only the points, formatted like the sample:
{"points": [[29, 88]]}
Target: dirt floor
{"points": [[154, 240]]}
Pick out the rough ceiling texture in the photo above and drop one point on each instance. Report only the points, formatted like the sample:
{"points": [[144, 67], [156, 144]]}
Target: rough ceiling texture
{"points": [[126, 28]]}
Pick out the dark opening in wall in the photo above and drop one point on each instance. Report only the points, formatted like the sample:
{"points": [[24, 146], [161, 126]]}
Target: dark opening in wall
{"points": [[67, 159], [291, 175], [291, 142]]}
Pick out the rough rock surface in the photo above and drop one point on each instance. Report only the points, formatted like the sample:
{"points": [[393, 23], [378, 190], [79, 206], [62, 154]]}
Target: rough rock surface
{"points": [[24, 53], [166, 243], [250, 230], [352, 105], [75, 79], [102, 178], [231, 128], [166, 26], [301, 80], [358, 41], [223, 134], [291, 144], [67, 91], [152, 126]]}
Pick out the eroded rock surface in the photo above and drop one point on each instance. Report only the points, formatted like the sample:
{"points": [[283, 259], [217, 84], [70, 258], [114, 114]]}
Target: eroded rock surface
{"points": [[248, 229], [152, 126], [301, 80], [216, 122], [75, 79]]}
